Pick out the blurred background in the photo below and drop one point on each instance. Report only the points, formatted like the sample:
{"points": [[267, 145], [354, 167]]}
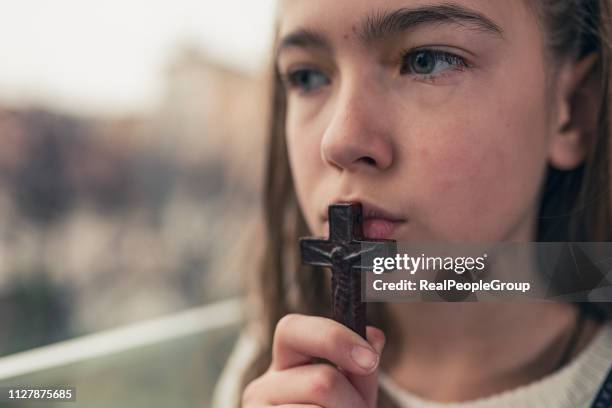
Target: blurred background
{"points": [[131, 157]]}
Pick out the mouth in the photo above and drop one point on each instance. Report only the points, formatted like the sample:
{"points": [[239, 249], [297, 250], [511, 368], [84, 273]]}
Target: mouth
{"points": [[378, 223]]}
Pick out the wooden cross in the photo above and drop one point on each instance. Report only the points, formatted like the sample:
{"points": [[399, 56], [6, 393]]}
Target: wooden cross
{"points": [[347, 253]]}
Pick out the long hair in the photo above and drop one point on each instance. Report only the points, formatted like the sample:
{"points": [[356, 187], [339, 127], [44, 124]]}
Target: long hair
{"points": [[575, 204]]}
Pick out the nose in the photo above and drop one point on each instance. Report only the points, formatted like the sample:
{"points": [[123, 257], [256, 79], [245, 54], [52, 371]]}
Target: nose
{"points": [[358, 136]]}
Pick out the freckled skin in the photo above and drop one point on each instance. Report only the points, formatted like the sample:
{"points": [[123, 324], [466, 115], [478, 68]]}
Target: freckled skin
{"points": [[461, 159]]}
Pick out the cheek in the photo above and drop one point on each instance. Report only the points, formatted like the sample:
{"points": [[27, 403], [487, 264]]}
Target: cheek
{"points": [[488, 170], [303, 147]]}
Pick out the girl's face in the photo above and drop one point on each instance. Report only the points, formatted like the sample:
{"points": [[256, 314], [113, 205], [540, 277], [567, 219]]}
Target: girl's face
{"points": [[435, 115]]}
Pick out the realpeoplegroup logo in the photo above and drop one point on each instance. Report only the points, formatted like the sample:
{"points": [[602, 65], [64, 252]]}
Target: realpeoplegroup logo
{"points": [[451, 284], [489, 271]]}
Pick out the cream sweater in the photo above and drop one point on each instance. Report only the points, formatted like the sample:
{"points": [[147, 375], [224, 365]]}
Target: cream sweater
{"points": [[573, 386]]}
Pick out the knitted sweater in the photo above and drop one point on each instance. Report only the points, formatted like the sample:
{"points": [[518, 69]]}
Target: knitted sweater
{"points": [[573, 386]]}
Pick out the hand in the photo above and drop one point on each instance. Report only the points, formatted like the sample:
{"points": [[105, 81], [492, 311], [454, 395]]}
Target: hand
{"points": [[295, 380]]}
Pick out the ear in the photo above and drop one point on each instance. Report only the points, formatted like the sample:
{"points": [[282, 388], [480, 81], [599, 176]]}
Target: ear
{"points": [[577, 108]]}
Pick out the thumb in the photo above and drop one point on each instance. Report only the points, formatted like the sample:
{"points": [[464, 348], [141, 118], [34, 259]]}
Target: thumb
{"points": [[367, 385]]}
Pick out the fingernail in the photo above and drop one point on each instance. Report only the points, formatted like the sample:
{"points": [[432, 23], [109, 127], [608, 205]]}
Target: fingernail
{"points": [[378, 342], [364, 357]]}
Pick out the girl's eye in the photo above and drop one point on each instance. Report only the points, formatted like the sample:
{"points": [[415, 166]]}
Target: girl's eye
{"points": [[430, 62], [306, 80]]}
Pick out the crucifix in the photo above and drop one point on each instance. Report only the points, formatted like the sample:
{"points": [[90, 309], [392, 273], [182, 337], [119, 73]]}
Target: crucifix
{"points": [[347, 253]]}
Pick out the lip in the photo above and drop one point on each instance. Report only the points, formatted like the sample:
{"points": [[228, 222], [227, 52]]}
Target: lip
{"points": [[378, 223]]}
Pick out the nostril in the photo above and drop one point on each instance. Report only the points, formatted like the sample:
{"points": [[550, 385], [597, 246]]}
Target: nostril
{"points": [[368, 160]]}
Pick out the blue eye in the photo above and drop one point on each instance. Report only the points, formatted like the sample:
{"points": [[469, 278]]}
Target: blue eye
{"points": [[430, 62], [306, 80]]}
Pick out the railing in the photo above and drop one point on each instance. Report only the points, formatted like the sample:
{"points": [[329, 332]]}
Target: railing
{"points": [[182, 324]]}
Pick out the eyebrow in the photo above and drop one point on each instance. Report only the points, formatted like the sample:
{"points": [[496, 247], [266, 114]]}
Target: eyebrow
{"points": [[384, 24], [303, 38]]}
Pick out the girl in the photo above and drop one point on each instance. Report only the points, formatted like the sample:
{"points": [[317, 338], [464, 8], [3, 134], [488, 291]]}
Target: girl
{"points": [[470, 120]]}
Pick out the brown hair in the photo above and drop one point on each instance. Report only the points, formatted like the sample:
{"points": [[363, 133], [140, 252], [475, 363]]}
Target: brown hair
{"points": [[575, 205]]}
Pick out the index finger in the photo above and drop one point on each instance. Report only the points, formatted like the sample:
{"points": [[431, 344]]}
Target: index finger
{"points": [[299, 339]]}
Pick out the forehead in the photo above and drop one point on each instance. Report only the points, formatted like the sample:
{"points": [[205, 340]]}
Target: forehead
{"points": [[346, 17]]}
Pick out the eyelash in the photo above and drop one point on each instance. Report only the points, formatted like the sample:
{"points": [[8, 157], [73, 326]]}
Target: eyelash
{"points": [[292, 78]]}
